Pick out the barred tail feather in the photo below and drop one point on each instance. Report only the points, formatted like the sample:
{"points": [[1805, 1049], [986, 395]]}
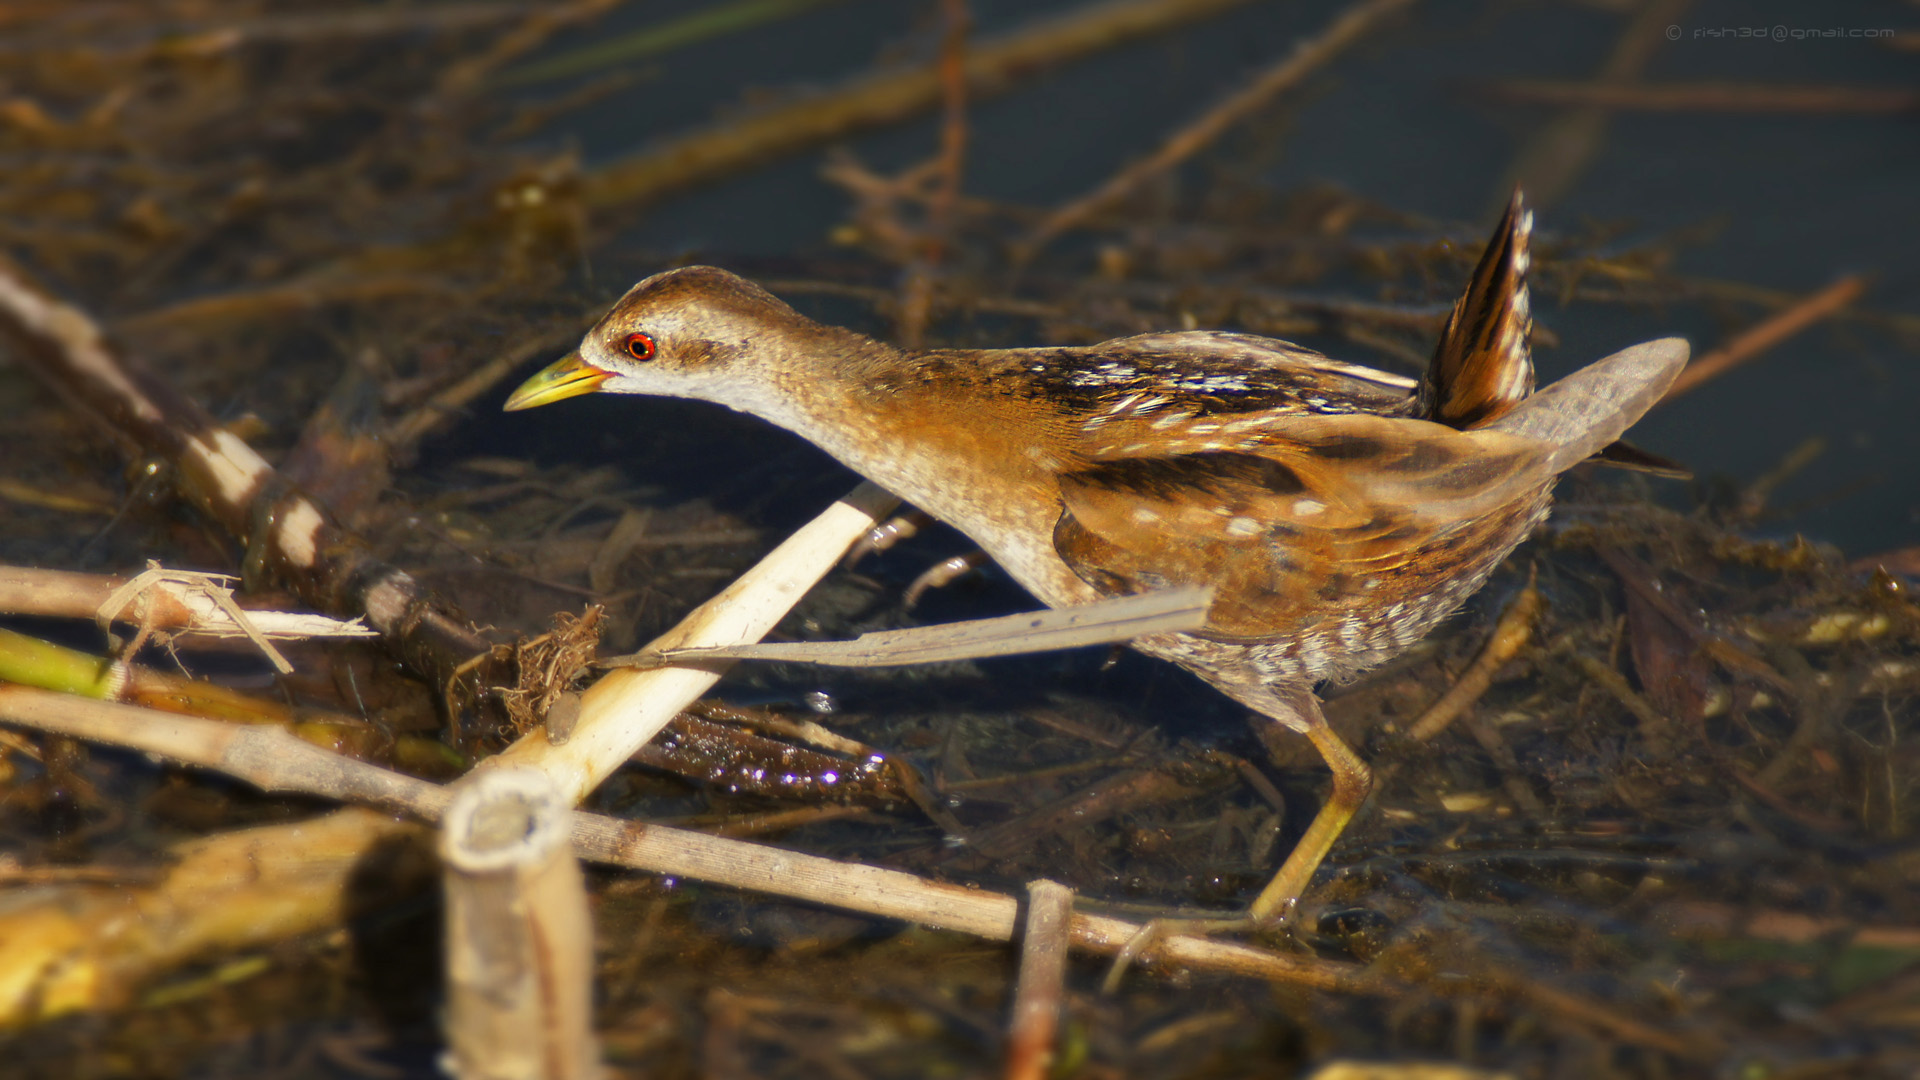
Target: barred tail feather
{"points": [[1483, 366]]}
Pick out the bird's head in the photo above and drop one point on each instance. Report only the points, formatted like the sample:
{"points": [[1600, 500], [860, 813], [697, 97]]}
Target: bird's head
{"points": [[697, 332]]}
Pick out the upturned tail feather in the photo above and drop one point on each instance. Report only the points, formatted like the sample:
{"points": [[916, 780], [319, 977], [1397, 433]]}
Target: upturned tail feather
{"points": [[1483, 366]]}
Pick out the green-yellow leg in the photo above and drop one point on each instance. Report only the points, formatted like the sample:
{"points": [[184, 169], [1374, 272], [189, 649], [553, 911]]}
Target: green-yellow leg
{"points": [[1351, 782]]}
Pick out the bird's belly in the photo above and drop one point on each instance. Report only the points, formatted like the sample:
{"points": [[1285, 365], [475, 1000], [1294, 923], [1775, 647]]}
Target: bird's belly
{"points": [[1338, 641]]}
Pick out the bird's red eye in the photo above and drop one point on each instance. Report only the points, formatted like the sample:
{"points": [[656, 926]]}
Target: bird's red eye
{"points": [[640, 346]]}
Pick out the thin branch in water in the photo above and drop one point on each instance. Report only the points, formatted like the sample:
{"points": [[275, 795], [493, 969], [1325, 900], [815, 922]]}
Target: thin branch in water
{"points": [[657, 39], [1510, 635], [883, 99], [405, 434], [1767, 333], [542, 22], [916, 291], [1308, 56]]}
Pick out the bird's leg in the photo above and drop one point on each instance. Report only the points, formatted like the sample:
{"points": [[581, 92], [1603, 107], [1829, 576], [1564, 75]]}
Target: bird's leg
{"points": [[942, 574], [1158, 930], [1351, 782], [901, 526]]}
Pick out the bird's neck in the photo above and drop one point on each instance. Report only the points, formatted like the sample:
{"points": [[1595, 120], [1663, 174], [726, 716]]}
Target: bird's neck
{"points": [[957, 434]]}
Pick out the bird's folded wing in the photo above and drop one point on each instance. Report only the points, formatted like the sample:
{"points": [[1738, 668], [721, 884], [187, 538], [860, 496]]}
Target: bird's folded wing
{"points": [[1284, 514]]}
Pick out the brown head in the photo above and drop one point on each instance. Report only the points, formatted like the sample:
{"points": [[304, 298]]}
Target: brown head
{"points": [[697, 332]]}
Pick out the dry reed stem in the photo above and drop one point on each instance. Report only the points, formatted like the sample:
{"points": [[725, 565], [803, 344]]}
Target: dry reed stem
{"points": [[66, 594], [275, 761], [624, 710], [1767, 333], [519, 934], [1101, 622], [1308, 56], [1041, 988]]}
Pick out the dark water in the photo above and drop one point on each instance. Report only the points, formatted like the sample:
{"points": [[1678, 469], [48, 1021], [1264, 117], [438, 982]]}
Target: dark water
{"points": [[1783, 201]]}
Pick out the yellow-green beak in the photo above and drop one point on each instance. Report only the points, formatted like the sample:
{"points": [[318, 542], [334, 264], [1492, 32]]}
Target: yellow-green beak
{"points": [[566, 377]]}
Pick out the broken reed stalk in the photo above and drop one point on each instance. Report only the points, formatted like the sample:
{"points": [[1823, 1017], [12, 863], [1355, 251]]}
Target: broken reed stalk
{"points": [[519, 934], [1038, 994], [628, 707], [1308, 56], [65, 594], [285, 532], [1767, 333], [1103, 622], [274, 761], [164, 600], [266, 756]]}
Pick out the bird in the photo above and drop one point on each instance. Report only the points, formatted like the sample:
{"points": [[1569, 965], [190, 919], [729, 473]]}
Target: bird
{"points": [[1338, 512]]}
